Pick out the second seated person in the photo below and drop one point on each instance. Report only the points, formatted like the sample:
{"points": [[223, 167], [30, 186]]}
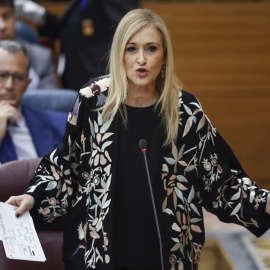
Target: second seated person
{"points": [[42, 70]]}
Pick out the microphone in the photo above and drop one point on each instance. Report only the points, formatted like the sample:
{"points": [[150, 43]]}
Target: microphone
{"points": [[143, 146]]}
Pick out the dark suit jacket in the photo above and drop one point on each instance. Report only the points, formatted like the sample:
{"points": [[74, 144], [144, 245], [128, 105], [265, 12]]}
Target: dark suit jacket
{"points": [[86, 33], [46, 128]]}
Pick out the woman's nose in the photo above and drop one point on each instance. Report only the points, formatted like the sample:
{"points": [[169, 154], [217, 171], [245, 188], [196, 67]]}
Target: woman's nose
{"points": [[141, 58]]}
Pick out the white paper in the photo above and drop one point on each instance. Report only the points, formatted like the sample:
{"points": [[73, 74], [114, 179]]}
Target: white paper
{"points": [[19, 236]]}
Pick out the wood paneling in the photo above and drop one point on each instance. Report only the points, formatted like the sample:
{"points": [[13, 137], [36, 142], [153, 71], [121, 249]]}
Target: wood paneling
{"points": [[222, 55], [219, 45], [54, 7]]}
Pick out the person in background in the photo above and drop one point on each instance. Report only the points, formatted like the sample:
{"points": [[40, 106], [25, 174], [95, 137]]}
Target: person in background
{"points": [[118, 218], [42, 69], [25, 132], [85, 31]]}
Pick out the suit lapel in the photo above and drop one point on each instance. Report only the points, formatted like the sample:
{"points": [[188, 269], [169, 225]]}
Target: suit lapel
{"points": [[34, 119], [7, 149]]}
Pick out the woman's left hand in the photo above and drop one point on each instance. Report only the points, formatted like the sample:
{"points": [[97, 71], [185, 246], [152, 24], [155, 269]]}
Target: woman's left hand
{"points": [[267, 209]]}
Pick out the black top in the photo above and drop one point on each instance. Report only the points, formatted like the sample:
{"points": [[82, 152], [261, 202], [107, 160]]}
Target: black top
{"points": [[135, 234]]}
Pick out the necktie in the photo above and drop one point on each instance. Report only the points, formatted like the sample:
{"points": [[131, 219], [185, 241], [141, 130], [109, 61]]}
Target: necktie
{"points": [[7, 150]]}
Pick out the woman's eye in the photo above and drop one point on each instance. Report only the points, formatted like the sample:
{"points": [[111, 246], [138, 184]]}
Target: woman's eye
{"points": [[152, 49], [131, 49]]}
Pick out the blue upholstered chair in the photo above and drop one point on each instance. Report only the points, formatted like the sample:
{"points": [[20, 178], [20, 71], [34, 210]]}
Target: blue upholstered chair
{"points": [[26, 32], [51, 99]]}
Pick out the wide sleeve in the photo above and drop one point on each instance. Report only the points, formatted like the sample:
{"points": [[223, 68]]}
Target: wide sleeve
{"points": [[227, 191], [54, 184]]}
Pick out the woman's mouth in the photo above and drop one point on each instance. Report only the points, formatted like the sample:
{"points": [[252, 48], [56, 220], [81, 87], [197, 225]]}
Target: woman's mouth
{"points": [[142, 72]]}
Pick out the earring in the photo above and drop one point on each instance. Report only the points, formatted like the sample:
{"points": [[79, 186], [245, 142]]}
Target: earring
{"points": [[162, 72]]}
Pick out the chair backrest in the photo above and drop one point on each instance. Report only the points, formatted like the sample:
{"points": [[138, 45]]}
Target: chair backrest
{"points": [[14, 178], [50, 99], [25, 31]]}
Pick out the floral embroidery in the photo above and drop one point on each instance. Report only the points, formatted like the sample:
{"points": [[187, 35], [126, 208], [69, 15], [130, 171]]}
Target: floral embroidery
{"points": [[95, 89], [213, 169], [183, 207], [96, 186], [98, 183], [52, 209], [193, 171], [180, 194], [42, 169], [245, 189]]}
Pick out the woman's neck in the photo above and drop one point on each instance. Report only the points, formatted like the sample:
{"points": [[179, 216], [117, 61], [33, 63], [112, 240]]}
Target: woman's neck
{"points": [[141, 97]]}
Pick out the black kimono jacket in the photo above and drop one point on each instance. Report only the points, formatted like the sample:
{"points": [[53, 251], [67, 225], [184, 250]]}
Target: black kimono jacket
{"points": [[78, 178]]}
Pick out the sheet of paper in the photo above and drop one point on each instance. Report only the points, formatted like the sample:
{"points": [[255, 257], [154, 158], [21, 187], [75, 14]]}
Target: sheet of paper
{"points": [[19, 236]]}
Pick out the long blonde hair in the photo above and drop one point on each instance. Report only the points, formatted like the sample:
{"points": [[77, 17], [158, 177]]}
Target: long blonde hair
{"points": [[168, 87]]}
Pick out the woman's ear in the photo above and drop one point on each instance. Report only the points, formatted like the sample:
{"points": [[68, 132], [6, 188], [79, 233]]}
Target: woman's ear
{"points": [[164, 61]]}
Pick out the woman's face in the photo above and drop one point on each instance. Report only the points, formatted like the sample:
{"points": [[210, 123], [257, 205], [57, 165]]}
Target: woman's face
{"points": [[143, 58]]}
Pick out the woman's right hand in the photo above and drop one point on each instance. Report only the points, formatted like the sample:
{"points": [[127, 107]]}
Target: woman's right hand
{"points": [[23, 202]]}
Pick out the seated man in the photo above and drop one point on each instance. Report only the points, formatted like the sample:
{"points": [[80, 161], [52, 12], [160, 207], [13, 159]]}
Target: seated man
{"points": [[42, 71], [25, 132]]}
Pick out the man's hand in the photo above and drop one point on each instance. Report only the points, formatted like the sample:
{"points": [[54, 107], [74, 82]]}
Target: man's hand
{"points": [[7, 111], [23, 202]]}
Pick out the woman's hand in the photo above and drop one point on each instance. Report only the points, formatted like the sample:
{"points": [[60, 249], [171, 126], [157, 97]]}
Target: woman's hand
{"points": [[267, 209], [23, 202]]}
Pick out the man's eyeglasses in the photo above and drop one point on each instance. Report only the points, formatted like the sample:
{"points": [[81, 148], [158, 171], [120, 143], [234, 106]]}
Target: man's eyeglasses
{"points": [[18, 77]]}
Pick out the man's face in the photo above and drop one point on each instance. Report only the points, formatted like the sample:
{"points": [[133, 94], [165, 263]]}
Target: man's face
{"points": [[13, 76], [7, 22]]}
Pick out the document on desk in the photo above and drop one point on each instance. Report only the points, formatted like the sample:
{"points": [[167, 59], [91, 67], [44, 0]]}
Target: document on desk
{"points": [[19, 236]]}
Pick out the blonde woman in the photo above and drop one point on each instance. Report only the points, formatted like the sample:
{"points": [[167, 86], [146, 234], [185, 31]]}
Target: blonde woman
{"points": [[124, 212]]}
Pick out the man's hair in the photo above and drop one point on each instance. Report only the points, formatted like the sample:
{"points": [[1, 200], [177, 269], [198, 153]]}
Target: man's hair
{"points": [[12, 46], [10, 2]]}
